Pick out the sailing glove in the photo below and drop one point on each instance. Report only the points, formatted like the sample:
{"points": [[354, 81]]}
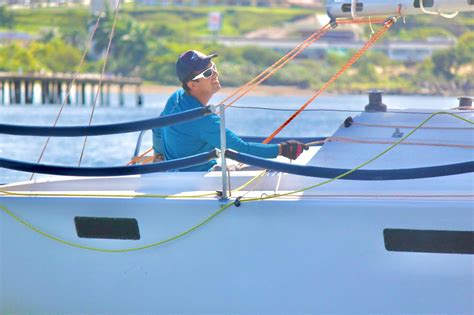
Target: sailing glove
{"points": [[292, 149]]}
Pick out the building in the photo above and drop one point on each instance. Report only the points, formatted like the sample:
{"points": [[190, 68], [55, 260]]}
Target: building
{"points": [[21, 38], [255, 3], [406, 51], [40, 3]]}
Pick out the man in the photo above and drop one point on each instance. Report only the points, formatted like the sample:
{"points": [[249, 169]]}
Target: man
{"points": [[200, 81]]}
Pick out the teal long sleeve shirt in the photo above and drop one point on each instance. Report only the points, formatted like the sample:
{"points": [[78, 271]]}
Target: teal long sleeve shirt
{"points": [[200, 135]]}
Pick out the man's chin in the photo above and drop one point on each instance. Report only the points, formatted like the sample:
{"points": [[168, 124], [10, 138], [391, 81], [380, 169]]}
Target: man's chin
{"points": [[217, 86]]}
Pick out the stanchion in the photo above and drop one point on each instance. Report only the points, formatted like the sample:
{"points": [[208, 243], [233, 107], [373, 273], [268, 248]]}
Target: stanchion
{"points": [[223, 149]]}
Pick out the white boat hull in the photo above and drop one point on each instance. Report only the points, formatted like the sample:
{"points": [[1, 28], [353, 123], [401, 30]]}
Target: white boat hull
{"points": [[319, 256], [325, 250]]}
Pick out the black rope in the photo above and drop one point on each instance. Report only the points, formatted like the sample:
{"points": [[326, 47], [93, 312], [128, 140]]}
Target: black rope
{"points": [[109, 171], [336, 110], [324, 172], [79, 131], [277, 140]]}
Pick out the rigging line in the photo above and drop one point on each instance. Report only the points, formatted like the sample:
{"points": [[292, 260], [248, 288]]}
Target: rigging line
{"points": [[389, 23], [148, 159], [361, 141], [391, 147], [99, 86], [362, 21], [270, 70], [394, 111], [123, 250], [273, 69], [411, 127], [281, 60], [292, 109], [139, 157], [434, 196], [208, 219], [84, 54], [105, 195]]}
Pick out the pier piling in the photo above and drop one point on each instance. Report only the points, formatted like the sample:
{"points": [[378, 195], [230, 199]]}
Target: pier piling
{"points": [[20, 88], [2, 84], [121, 97]]}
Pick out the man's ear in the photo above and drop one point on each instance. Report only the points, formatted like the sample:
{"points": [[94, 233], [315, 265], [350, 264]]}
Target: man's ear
{"points": [[191, 85]]}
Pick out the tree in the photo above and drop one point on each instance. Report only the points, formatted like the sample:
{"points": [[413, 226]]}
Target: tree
{"points": [[129, 44], [444, 63], [6, 18], [16, 58], [56, 55]]}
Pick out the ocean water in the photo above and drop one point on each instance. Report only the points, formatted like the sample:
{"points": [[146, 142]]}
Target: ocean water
{"points": [[116, 150]]}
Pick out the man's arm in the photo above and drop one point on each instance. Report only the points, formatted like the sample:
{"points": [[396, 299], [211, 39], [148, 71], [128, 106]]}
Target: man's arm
{"points": [[209, 131]]}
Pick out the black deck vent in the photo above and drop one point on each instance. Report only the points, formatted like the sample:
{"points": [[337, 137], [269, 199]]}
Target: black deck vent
{"points": [[107, 228], [426, 3], [346, 7], [429, 241]]}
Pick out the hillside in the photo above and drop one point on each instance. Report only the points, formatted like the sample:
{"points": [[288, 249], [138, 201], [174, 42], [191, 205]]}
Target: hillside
{"points": [[147, 41]]}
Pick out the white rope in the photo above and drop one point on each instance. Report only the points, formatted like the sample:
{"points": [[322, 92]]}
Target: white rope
{"points": [[117, 9], [445, 15], [354, 9], [76, 74]]}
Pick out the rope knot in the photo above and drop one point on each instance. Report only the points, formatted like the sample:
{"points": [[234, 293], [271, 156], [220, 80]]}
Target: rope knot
{"points": [[237, 202]]}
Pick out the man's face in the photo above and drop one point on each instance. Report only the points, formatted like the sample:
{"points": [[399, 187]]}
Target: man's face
{"points": [[209, 85]]}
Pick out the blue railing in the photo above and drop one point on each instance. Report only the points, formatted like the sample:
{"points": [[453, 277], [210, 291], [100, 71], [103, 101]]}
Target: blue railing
{"points": [[108, 171], [183, 163], [98, 130], [325, 172]]}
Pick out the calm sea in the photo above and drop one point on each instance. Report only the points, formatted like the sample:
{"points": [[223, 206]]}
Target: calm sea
{"points": [[117, 150]]}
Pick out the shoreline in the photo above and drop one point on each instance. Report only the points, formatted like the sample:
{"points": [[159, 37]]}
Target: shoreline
{"points": [[265, 90]]}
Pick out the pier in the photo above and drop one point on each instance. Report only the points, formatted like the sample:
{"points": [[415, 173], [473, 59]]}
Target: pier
{"points": [[53, 89]]}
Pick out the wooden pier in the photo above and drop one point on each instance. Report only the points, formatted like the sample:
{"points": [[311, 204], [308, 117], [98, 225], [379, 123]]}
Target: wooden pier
{"points": [[53, 88]]}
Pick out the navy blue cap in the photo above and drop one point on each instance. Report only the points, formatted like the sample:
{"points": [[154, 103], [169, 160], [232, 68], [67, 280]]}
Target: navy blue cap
{"points": [[191, 62]]}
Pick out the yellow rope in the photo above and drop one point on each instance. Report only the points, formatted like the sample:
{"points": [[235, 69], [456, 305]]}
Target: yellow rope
{"points": [[221, 209]]}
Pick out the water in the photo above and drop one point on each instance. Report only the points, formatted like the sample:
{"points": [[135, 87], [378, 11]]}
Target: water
{"points": [[115, 150]]}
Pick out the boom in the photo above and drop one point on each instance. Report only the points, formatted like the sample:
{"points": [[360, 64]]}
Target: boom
{"points": [[363, 8]]}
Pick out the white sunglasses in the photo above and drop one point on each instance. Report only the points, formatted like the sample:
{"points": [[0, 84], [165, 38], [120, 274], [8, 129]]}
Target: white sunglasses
{"points": [[206, 74]]}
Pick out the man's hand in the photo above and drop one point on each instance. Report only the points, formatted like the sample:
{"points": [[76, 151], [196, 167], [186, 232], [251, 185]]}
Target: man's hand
{"points": [[292, 149]]}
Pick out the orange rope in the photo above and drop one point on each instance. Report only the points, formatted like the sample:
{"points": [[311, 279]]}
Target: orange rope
{"points": [[138, 158], [282, 59], [290, 56], [277, 66], [389, 23], [363, 21], [148, 160]]}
